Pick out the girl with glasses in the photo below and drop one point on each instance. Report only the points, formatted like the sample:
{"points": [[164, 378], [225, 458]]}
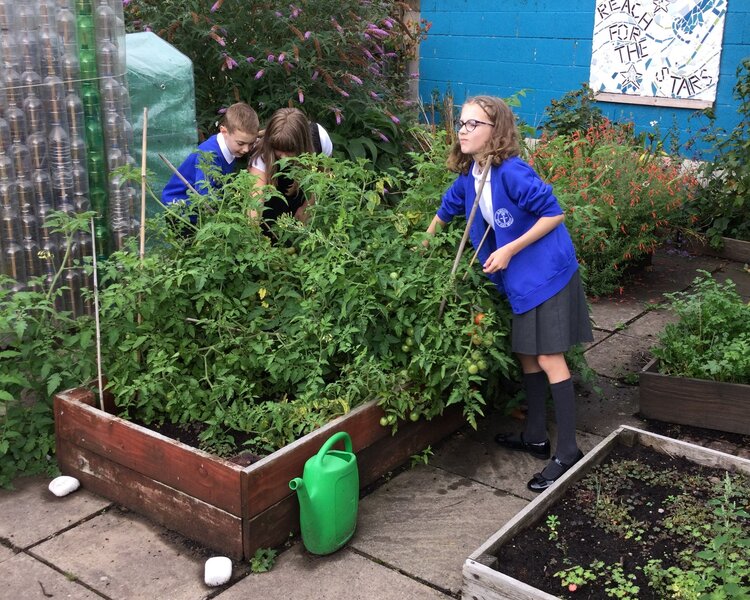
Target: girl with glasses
{"points": [[531, 259]]}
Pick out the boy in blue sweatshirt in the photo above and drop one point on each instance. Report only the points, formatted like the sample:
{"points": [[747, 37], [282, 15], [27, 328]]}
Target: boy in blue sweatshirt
{"points": [[236, 138]]}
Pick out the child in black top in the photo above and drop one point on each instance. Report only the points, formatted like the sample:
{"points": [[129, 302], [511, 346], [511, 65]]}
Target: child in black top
{"points": [[287, 134]]}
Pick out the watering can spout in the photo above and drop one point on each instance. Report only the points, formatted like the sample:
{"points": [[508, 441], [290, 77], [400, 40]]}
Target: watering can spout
{"points": [[298, 485]]}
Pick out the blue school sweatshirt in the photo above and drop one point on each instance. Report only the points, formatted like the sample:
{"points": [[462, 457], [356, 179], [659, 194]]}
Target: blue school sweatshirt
{"points": [[519, 198], [176, 190]]}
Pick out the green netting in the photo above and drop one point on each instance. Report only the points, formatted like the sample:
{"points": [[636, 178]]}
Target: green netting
{"points": [[160, 78]]}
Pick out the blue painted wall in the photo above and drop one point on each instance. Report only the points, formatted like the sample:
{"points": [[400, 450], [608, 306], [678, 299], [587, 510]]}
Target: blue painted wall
{"points": [[499, 47]]}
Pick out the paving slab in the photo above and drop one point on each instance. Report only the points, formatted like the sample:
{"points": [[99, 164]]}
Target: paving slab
{"points": [[426, 521], [344, 575], [31, 513], [504, 470], [125, 557], [603, 405], [651, 324], [619, 356], [6, 553], [24, 577], [611, 315]]}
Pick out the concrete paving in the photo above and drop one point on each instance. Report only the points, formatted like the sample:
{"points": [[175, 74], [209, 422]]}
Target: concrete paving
{"points": [[414, 531]]}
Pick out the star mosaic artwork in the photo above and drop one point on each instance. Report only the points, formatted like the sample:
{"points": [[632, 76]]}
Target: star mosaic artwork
{"points": [[658, 49]]}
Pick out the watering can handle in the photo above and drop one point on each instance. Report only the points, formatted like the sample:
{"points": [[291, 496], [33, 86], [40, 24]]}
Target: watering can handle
{"points": [[341, 435]]}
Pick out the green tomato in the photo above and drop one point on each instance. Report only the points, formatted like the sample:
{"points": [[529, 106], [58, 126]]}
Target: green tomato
{"points": [[410, 331], [394, 275], [472, 369], [414, 416], [405, 348], [409, 341], [482, 365], [384, 421]]}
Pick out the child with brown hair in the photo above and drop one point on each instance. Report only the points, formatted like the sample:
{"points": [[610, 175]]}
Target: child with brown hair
{"points": [[531, 259], [288, 133]]}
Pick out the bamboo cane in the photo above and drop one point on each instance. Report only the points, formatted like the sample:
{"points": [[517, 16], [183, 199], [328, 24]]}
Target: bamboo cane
{"points": [[176, 172], [143, 186], [96, 319], [476, 252], [470, 220]]}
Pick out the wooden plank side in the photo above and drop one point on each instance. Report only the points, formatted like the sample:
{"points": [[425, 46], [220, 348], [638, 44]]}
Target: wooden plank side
{"points": [[394, 450], [707, 457], [267, 482], [162, 504], [271, 528], [194, 472], [738, 250], [695, 402], [481, 582]]}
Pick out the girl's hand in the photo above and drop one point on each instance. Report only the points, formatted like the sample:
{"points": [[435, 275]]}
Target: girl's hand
{"points": [[498, 260]]}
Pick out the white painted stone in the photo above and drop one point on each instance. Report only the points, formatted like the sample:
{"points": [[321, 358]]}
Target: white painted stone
{"points": [[218, 570], [63, 485]]}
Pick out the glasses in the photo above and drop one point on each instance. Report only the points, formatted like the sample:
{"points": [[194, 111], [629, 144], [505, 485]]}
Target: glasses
{"points": [[471, 124]]}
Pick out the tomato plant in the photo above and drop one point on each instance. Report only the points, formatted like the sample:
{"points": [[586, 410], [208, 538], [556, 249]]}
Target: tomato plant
{"points": [[263, 345]]}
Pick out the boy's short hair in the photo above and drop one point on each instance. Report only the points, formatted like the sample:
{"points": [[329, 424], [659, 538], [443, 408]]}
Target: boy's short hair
{"points": [[241, 117]]}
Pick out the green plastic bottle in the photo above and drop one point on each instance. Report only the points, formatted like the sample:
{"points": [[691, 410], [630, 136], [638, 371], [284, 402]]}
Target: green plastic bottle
{"points": [[328, 495]]}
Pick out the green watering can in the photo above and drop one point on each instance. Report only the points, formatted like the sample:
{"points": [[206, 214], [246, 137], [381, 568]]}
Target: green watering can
{"points": [[328, 495]]}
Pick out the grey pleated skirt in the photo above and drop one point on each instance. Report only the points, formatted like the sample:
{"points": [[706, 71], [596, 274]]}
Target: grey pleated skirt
{"points": [[555, 325]]}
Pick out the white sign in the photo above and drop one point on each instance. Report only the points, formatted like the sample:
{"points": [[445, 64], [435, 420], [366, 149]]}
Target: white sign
{"points": [[646, 50]]}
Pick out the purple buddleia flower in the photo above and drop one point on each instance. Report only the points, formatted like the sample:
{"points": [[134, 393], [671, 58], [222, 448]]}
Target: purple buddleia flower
{"points": [[271, 58], [259, 74], [250, 59], [307, 35], [300, 97], [315, 75], [355, 79], [388, 23], [281, 58], [381, 135]]}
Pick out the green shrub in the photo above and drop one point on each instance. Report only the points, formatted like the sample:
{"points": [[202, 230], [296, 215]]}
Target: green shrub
{"points": [[619, 201], [343, 62], [711, 340], [723, 203]]}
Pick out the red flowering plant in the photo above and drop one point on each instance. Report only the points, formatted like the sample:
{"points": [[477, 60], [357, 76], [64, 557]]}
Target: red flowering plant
{"points": [[620, 201], [343, 62]]}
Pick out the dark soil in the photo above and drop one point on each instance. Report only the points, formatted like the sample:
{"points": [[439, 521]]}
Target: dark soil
{"points": [[189, 434], [583, 521]]}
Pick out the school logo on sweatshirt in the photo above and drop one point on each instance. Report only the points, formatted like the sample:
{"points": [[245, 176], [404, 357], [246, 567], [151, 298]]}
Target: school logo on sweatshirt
{"points": [[503, 218]]}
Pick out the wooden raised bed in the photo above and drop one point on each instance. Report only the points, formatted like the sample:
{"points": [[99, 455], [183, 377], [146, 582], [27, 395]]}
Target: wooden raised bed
{"points": [[731, 249], [696, 402], [482, 575], [232, 509]]}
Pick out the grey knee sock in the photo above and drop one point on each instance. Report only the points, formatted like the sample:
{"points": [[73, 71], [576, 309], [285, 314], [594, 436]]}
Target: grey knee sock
{"points": [[535, 386], [564, 397]]}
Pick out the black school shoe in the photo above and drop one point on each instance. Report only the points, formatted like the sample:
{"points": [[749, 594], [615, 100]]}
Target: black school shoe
{"points": [[538, 483], [537, 449]]}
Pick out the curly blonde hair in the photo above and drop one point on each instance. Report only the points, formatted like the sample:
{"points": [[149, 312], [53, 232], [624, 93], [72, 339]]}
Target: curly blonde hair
{"points": [[503, 143]]}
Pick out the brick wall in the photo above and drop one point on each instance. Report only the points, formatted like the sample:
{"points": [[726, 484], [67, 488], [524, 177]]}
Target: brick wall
{"points": [[500, 47]]}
